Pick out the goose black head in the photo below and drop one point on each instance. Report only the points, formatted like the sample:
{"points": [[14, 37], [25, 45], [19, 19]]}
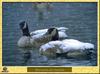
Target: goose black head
{"points": [[24, 27], [54, 33]]}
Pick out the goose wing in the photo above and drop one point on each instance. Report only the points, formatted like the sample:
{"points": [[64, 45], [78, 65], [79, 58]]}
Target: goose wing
{"points": [[73, 45], [40, 39], [63, 29], [36, 32], [61, 32]]}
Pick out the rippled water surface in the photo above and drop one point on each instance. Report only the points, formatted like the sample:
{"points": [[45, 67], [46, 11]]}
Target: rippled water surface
{"points": [[80, 18]]}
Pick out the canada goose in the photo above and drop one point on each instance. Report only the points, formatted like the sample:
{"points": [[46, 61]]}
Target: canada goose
{"points": [[61, 32], [36, 40], [70, 48]]}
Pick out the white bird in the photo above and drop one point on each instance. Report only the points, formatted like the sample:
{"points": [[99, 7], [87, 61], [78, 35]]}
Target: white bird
{"points": [[69, 48], [37, 38]]}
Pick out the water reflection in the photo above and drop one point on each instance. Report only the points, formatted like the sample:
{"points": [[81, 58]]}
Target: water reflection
{"points": [[42, 10], [26, 55]]}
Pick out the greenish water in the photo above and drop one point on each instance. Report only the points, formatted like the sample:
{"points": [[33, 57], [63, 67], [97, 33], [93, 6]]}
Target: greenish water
{"points": [[80, 18]]}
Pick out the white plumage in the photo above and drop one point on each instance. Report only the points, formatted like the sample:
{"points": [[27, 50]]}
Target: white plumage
{"points": [[68, 46], [61, 32]]}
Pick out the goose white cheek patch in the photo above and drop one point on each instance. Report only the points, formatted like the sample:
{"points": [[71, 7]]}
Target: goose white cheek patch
{"points": [[24, 26], [54, 32]]}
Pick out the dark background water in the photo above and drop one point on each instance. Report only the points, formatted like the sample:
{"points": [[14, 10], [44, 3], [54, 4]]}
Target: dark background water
{"points": [[80, 18]]}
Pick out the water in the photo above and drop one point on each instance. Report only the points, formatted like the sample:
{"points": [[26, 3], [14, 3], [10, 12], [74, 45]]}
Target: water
{"points": [[80, 18]]}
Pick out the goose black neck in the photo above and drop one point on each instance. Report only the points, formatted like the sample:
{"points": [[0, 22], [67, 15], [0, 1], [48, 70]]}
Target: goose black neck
{"points": [[24, 27], [26, 32], [55, 37]]}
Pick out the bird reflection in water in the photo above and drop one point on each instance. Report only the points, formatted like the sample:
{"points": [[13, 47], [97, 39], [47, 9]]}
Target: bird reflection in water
{"points": [[26, 56], [42, 10]]}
